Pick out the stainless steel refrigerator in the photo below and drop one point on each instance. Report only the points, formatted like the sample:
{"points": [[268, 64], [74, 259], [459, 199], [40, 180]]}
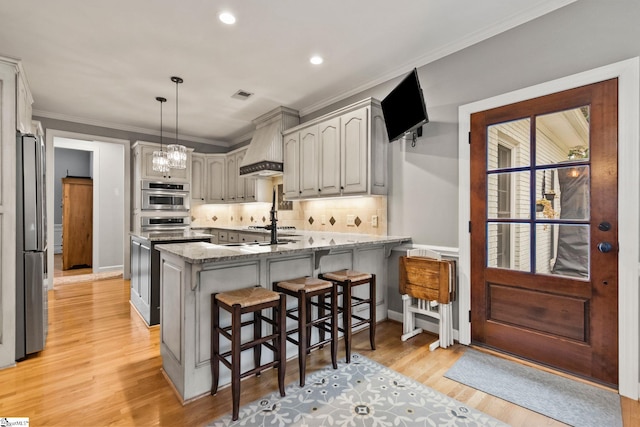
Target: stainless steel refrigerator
{"points": [[31, 237]]}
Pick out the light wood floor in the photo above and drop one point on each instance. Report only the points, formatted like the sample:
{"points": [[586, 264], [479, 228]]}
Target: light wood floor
{"points": [[59, 272], [101, 366]]}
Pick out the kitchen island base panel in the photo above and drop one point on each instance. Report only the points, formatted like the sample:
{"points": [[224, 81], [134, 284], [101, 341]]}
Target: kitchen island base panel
{"points": [[145, 271], [186, 306]]}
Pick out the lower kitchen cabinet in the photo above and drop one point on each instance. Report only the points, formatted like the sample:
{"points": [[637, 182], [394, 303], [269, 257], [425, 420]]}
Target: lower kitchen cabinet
{"points": [[145, 276]]}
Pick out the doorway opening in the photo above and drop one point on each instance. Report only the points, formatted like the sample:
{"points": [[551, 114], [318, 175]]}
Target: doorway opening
{"points": [[556, 304], [103, 162], [628, 74], [73, 212]]}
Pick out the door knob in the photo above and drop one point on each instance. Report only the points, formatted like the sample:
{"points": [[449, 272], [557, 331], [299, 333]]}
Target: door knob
{"points": [[604, 247]]}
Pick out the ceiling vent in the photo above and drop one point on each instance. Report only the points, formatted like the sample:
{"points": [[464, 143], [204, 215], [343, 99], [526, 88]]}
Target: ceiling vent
{"points": [[243, 95]]}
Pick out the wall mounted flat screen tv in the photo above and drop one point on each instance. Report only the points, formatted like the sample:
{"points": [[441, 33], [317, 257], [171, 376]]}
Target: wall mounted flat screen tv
{"points": [[404, 108]]}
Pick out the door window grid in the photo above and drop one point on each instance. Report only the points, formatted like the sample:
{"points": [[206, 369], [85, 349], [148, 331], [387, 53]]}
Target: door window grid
{"points": [[538, 241]]}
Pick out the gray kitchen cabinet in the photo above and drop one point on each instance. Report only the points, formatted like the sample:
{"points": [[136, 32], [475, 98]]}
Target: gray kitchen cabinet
{"points": [[308, 162], [301, 159], [24, 101], [251, 237], [145, 276], [216, 179], [329, 155], [141, 277], [341, 153], [198, 176], [231, 168], [354, 155], [291, 175], [241, 181], [143, 167]]}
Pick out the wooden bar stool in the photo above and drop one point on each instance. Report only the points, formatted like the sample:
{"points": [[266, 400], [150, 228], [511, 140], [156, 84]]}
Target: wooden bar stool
{"points": [[304, 289], [347, 280], [249, 300]]}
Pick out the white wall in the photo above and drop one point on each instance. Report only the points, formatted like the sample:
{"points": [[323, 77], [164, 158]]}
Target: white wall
{"points": [[423, 196], [111, 196], [110, 211]]}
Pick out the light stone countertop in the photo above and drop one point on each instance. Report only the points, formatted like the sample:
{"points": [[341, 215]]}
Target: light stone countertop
{"points": [[303, 241], [165, 236], [246, 229]]}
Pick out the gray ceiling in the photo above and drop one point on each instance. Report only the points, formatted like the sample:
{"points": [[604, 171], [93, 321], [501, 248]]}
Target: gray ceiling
{"points": [[104, 62]]}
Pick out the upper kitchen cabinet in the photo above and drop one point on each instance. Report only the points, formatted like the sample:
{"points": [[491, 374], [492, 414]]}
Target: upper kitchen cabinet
{"points": [[308, 162], [329, 155], [208, 177], [291, 175], [216, 179], [232, 168], [248, 188], [24, 104], [198, 176], [340, 153], [143, 161]]}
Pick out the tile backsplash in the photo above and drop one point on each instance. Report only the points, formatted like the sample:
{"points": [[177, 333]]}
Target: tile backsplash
{"points": [[362, 215]]}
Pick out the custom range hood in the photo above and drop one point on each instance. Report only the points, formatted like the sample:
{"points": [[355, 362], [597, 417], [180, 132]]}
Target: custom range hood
{"points": [[264, 156]]}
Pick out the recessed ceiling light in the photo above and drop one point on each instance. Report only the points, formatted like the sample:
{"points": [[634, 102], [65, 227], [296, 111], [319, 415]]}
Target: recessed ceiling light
{"points": [[316, 60], [227, 18]]}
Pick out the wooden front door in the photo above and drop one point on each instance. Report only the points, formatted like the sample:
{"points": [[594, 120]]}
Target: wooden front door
{"points": [[544, 230]]}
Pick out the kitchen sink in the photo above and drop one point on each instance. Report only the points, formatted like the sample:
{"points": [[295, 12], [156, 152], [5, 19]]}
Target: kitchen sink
{"points": [[280, 242]]}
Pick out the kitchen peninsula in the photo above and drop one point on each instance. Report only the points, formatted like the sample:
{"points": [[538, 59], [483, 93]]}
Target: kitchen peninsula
{"points": [[191, 272]]}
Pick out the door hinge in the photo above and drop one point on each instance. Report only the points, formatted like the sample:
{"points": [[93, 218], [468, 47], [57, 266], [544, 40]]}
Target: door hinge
{"points": [[469, 316], [469, 226], [469, 137]]}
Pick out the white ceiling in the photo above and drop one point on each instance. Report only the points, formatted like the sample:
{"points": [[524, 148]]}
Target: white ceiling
{"points": [[103, 62]]}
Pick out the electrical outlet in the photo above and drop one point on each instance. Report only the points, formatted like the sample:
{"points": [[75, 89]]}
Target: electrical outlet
{"points": [[374, 220], [351, 220], [323, 219]]}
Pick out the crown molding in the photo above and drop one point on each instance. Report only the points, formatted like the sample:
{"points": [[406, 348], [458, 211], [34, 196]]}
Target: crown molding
{"points": [[108, 125], [511, 22]]}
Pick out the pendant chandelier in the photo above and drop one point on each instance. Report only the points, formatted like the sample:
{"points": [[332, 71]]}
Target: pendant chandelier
{"points": [[176, 153], [160, 162]]}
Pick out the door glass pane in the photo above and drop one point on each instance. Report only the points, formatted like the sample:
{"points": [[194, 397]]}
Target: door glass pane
{"points": [[508, 246], [508, 195], [563, 193], [562, 136], [514, 135], [563, 250]]}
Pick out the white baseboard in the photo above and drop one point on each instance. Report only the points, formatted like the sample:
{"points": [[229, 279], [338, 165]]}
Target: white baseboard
{"points": [[110, 268]]}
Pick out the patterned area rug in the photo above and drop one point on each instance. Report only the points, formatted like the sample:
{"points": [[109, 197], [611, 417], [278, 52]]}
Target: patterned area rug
{"points": [[361, 393], [571, 402]]}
